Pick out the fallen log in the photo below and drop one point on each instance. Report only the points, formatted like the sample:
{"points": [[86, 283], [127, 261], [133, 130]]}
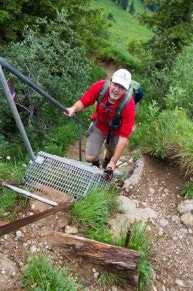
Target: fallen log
{"points": [[119, 260]]}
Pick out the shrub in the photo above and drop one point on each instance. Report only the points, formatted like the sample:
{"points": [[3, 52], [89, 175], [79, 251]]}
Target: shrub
{"points": [[60, 68]]}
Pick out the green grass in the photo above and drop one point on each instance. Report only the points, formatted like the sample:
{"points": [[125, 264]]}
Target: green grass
{"points": [[92, 213], [165, 134], [125, 28], [41, 274], [59, 138], [10, 203], [187, 190], [141, 242], [109, 279]]}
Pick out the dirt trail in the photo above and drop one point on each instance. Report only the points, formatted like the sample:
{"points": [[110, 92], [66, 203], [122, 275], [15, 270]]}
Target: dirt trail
{"points": [[158, 188], [172, 242]]}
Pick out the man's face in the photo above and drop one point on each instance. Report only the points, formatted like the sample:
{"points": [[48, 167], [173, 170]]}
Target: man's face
{"points": [[115, 92]]}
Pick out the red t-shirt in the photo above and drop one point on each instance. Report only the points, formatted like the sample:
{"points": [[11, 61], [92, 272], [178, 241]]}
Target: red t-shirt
{"points": [[104, 115]]}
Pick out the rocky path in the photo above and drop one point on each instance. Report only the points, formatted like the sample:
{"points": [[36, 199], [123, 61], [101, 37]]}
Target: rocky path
{"points": [[150, 193], [154, 186]]}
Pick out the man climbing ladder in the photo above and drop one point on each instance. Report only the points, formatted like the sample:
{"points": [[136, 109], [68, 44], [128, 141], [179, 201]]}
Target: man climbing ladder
{"points": [[107, 126]]}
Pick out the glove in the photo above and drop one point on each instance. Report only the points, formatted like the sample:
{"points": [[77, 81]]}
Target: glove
{"points": [[108, 174]]}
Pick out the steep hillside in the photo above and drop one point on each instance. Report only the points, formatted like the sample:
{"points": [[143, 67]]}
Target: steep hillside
{"points": [[124, 26]]}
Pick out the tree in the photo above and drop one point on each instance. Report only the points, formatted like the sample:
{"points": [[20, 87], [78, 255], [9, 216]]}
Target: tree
{"points": [[14, 15], [132, 8], [173, 26], [90, 24], [122, 3], [59, 67]]}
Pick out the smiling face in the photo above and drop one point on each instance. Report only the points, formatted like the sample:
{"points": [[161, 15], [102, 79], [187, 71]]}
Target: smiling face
{"points": [[115, 92]]}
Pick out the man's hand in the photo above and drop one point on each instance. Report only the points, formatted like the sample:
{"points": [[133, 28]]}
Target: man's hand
{"points": [[78, 106], [108, 174], [111, 165], [70, 112]]}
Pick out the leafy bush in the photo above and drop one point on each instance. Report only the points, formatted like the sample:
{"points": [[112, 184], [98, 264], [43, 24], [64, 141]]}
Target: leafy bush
{"points": [[170, 28], [180, 84], [15, 15], [59, 139], [58, 67]]}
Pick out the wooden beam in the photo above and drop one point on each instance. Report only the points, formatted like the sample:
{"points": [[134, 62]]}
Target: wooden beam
{"points": [[119, 260]]}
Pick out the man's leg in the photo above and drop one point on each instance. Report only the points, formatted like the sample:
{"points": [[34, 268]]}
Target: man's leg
{"points": [[93, 146], [110, 149]]}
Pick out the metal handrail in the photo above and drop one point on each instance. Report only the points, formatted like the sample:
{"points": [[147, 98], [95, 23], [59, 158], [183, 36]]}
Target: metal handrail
{"points": [[44, 94]]}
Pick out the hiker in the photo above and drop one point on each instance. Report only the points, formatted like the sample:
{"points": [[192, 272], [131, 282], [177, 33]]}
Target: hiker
{"points": [[106, 127]]}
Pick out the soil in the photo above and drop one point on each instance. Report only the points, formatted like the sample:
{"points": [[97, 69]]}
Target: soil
{"points": [[158, 188], [172, 242]]}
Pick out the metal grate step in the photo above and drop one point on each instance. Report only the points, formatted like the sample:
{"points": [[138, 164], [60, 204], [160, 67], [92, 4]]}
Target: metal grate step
{"points": [[62, 174]]}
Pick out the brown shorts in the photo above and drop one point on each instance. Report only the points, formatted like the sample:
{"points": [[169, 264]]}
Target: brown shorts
{"points": [[95, 141]]}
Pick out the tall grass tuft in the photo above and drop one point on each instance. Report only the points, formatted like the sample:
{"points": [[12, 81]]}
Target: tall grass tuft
{"points": [[187, 190], [59, 138], [165, 134], [141, 242], [109, 279], [11, 203], [41, 274], [184, 155], [92, 212]]}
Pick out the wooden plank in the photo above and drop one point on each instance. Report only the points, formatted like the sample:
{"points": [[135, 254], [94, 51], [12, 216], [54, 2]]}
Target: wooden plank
{"points": [[122, 261]]}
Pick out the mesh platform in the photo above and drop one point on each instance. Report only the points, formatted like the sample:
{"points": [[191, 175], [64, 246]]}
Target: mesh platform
{"points": [[62, 174]]}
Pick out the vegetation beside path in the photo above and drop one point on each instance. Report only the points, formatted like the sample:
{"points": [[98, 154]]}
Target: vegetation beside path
{"points": [[58, 54]]}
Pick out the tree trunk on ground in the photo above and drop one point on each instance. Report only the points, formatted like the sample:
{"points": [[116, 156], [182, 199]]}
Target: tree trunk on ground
{"points": [[119, 260]]}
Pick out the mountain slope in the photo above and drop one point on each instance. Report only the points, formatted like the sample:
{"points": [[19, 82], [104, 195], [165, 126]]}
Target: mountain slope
{"points": [[124, 26]]}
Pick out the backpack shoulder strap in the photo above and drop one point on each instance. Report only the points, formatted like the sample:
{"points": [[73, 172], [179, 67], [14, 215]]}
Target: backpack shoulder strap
{"points": [[124, 102], [103, 91]]}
